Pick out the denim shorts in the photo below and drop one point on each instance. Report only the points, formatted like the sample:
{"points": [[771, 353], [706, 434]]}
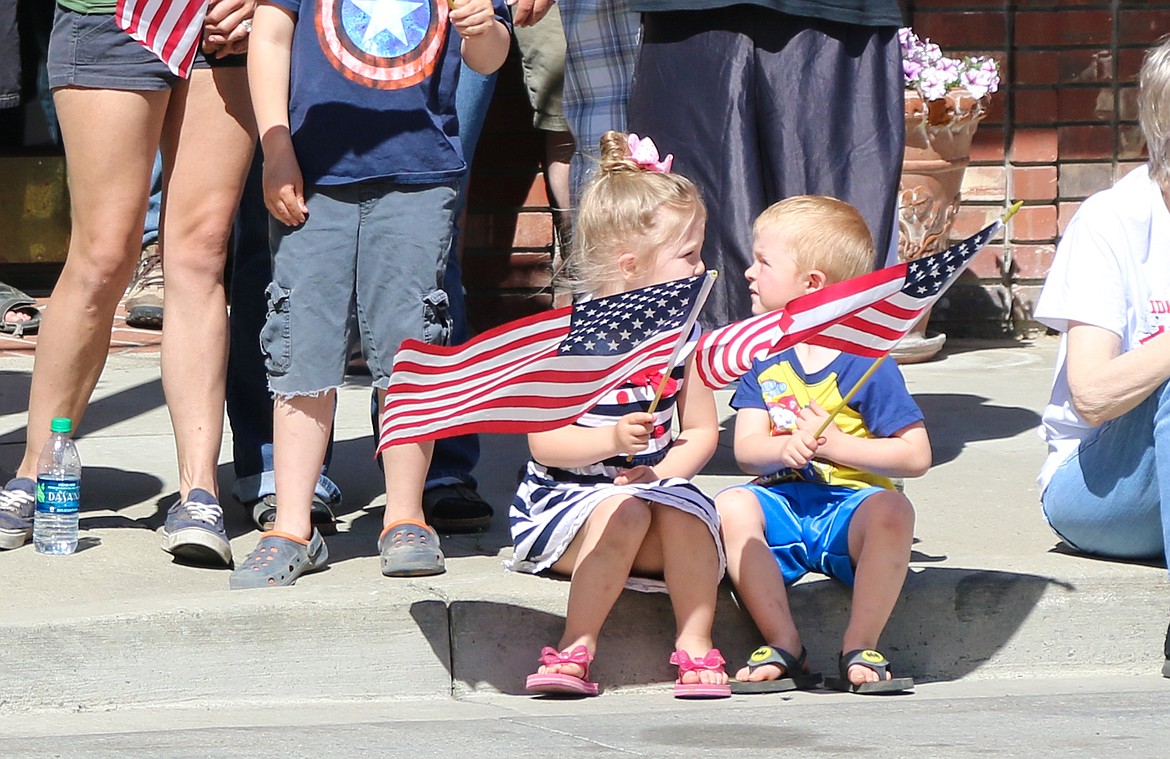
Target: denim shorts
{"points": [[90, 50], [806, 526], [374, 249]]}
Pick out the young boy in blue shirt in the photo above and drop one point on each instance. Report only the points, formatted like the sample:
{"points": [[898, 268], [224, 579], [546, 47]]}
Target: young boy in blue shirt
{"points": [[355, 106], [827, 503]]}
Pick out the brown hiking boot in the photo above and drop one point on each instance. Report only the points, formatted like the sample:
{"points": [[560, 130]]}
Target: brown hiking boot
{"points": [[144, 297]]}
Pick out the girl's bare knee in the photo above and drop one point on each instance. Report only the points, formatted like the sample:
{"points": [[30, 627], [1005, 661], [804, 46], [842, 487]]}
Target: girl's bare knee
{"points": [[625, 514]]}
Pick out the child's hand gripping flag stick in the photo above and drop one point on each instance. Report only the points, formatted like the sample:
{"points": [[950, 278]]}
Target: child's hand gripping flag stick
{"points": [[682, 340]]}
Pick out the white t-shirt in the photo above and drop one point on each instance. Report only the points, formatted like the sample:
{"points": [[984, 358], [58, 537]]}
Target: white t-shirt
{"points": [[1112, 270]]}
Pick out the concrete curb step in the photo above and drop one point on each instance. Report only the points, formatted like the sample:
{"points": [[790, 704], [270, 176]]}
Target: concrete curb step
{"points": [[460, 635]]}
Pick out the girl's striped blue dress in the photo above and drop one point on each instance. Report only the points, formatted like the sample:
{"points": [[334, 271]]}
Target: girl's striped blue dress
{"points": [[552, 504]]}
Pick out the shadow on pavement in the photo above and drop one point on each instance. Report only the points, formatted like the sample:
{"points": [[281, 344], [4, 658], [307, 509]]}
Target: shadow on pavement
{"points": [[955, 419], [947, 624]]}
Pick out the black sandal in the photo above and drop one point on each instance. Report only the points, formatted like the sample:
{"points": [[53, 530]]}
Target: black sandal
{"points": [[12, 299], [873, 660], [795, 675], [456, 508]]}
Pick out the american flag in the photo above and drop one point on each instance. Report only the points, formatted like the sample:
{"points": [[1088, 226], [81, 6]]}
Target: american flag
{"points": [[171, 29], [865, 315], [540, 372]]}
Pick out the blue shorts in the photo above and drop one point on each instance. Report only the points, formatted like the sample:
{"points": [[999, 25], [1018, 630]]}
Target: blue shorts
{"points": [[807, 526], [90, 50], [376, 249]]}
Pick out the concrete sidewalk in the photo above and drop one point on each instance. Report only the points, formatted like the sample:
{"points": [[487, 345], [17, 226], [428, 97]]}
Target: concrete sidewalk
{"points": [[990, 593]]}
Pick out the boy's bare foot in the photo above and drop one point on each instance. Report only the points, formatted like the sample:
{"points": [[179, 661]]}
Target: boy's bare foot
{"points": [[867, 671], [768, 663], [859, 675]]}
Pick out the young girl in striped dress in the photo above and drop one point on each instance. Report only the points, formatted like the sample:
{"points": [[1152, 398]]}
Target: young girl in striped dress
{"points": [[585, 508]]}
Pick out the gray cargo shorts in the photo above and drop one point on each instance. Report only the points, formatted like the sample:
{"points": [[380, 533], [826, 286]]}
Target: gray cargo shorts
{"points": [[375, 248]]}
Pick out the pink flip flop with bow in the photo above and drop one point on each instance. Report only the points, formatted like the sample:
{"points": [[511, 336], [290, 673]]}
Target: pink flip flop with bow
{"points": [[556, 683], [712, 662]]}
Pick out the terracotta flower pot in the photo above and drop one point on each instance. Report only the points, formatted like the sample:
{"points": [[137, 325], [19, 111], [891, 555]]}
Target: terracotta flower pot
{"points": [[938, 149]]}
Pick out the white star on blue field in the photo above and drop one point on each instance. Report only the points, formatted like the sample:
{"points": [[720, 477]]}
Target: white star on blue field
{"points": [[386, 28]]}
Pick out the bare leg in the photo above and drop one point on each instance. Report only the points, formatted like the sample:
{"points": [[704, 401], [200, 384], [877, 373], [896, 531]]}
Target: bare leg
{"points": [[300, 435], [110, 138], [405, 469], [680, 546], [599, 560], [757, 577], [880, 535], [207, 147]]}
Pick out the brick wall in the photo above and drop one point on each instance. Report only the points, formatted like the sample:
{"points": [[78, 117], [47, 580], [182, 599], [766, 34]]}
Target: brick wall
{"points": [[1062, 126], [508, 230]]}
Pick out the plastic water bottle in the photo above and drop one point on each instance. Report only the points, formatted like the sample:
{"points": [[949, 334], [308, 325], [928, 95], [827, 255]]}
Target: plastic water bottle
{"points": [[58, 492]]}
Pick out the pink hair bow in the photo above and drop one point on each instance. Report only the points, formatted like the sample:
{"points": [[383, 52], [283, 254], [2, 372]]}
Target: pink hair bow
{"points": [[644, 152]]}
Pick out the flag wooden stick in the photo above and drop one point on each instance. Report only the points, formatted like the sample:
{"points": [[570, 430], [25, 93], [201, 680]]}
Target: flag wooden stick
{"points": [[849, 396], [1012, 210], [682, 340]]}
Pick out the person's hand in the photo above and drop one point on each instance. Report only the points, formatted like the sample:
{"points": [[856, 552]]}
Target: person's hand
{"points": [[636, 474], [528, 12], [284, 188], [472, 17], [226, 26], [811, 418], [632, 432], [800, 448]]}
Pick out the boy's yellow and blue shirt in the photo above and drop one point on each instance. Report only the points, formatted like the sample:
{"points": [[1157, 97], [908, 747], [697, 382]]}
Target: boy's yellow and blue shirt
{"points": [[882, 407]]}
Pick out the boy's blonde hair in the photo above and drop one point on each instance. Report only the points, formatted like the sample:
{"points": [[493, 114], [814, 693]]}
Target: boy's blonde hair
{"points": [[822, 233], [618, 213]]}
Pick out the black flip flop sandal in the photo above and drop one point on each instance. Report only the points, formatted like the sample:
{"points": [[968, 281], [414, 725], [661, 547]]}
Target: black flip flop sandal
{"points": [[765, 655], [12, 299], [869, 659]]}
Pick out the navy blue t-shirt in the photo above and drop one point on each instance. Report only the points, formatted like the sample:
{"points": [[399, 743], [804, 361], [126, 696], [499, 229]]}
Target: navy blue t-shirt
{"points": [[372, 90]]}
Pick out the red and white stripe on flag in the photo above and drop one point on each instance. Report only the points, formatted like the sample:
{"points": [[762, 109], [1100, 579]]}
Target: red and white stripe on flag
{"points": [[866, 315], [171, 29], [540, 372]]}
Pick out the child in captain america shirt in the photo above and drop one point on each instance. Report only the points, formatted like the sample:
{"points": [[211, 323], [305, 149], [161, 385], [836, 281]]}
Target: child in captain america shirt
{"points": [[823, 502], [355, 106]]}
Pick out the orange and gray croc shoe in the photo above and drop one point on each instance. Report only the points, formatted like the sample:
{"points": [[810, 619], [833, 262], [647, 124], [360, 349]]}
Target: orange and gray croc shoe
{"points": [[278, 560], [410, 549]]}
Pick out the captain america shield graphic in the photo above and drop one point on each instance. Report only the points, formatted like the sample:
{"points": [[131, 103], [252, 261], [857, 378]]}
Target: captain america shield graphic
{"points": [[385, 44]]}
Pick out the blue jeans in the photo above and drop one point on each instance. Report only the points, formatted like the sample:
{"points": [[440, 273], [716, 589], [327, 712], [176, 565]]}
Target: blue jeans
{"points": [[249, 405], [455, 457], [1112, 496], [153, 204]]}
